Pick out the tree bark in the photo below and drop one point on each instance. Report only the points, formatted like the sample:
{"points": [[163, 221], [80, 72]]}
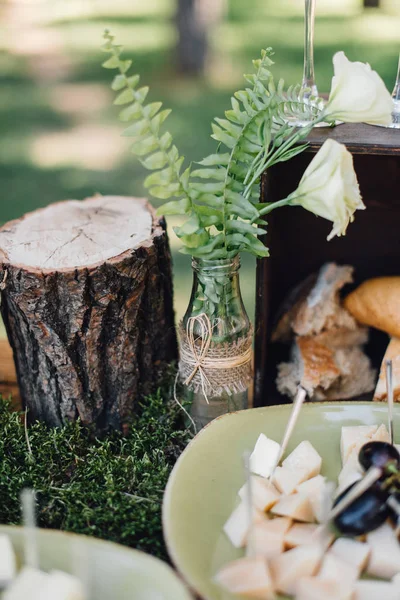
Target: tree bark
{"points": [[87, 307]]}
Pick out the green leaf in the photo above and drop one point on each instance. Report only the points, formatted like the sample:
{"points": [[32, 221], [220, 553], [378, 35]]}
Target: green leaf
{"points": [[241, 202], [195, 240], [209, 211], [165, 192], [214, 160], [211, 200], [159, 178], [190, 226], [174, 207], [125, 65], [131, 112], [232, 129], [185, 175], [125, 97], [119, 83], [165, 141], [159, 119], [208, 188], [242, 227], [218, 174], [141, 94], [222, 136], [151, 109], [111, 63], [145, 146], [155, 161], [139, 128]]}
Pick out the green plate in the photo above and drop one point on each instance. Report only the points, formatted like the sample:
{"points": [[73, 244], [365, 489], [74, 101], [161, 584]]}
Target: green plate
{"points": [[115, 572], [202, 489]]}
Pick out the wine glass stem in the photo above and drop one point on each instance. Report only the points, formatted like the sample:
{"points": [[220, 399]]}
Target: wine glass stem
{"points": [[396, 100], [308, 74], [396, 90]]}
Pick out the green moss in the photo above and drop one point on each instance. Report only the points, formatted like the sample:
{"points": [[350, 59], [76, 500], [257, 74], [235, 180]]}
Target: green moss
{"points": [[110, 488]]}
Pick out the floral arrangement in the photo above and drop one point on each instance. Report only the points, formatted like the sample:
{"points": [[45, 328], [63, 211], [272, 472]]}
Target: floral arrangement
{"points": [[220, 198]]}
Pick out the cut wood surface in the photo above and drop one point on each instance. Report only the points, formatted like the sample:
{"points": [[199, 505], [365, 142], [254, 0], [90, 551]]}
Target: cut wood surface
{"points": [[87, 305]]}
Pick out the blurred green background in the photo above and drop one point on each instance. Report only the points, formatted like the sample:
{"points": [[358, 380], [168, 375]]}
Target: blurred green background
{"points": [[60, 137]]}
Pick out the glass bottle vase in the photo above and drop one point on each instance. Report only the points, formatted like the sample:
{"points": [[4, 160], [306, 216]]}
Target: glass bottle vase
{"points": [[215, 342]]}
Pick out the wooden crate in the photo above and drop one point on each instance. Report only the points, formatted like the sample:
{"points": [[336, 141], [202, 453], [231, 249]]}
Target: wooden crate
{"points": [[297, 239]]}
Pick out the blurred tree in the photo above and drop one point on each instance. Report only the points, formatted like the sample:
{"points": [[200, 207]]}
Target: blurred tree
{"points": [[194, 20], [371, 3]]}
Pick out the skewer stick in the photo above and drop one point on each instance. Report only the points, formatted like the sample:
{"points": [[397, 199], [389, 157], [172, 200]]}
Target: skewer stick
{"points": [[360, 487], [246, 463], [297, 404], [28, 504], [389, 391]]}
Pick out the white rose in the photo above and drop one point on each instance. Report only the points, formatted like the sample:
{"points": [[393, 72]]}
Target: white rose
{"points": [[329, 187], [358, 94]]}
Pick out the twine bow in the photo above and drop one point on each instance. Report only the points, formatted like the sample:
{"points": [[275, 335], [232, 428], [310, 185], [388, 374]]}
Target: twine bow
{"points": [[198, 354], [199, 358]]}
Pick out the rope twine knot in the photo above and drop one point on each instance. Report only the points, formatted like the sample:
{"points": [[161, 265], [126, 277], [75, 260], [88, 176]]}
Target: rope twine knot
{"points": [[212, 367]]}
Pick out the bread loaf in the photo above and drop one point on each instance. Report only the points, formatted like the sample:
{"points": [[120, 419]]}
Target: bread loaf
{"points": [[327, 358], [376, 303], [327, 371], [392, 353]]}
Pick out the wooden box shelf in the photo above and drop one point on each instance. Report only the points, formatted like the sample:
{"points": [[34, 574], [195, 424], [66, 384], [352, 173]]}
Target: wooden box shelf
{"points": [[298, 245]]}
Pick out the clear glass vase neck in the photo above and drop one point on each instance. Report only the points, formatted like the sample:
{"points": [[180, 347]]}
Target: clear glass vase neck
{"points": [[216, 293]]}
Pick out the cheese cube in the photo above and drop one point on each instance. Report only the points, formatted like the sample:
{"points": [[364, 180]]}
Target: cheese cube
{"points": [[286, 480], [375, 590], [323, 537], [29, 583], [277, 526], [352, 552], [304, 457], [334, 568], [312, 588], [381, 435], [299, 534], [290, 566], [247, 576], [265, 456], [353, 437], [261, 542], [264, 493], [267, 537], [238, 524], [320, 493], [296, 506], [352, 464], [62, 586], [384, 560], [8, 563]]}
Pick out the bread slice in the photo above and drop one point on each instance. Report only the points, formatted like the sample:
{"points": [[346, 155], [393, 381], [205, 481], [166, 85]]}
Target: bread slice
{"points": [[316, 305], [326, 370], [376, 303], [392, 353]]}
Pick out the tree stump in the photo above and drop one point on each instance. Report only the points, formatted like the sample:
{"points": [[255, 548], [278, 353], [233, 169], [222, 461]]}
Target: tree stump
{"points": [[87, 305]]}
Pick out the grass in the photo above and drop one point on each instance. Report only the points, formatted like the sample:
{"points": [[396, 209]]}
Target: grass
{"points": [[59, 130]]}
